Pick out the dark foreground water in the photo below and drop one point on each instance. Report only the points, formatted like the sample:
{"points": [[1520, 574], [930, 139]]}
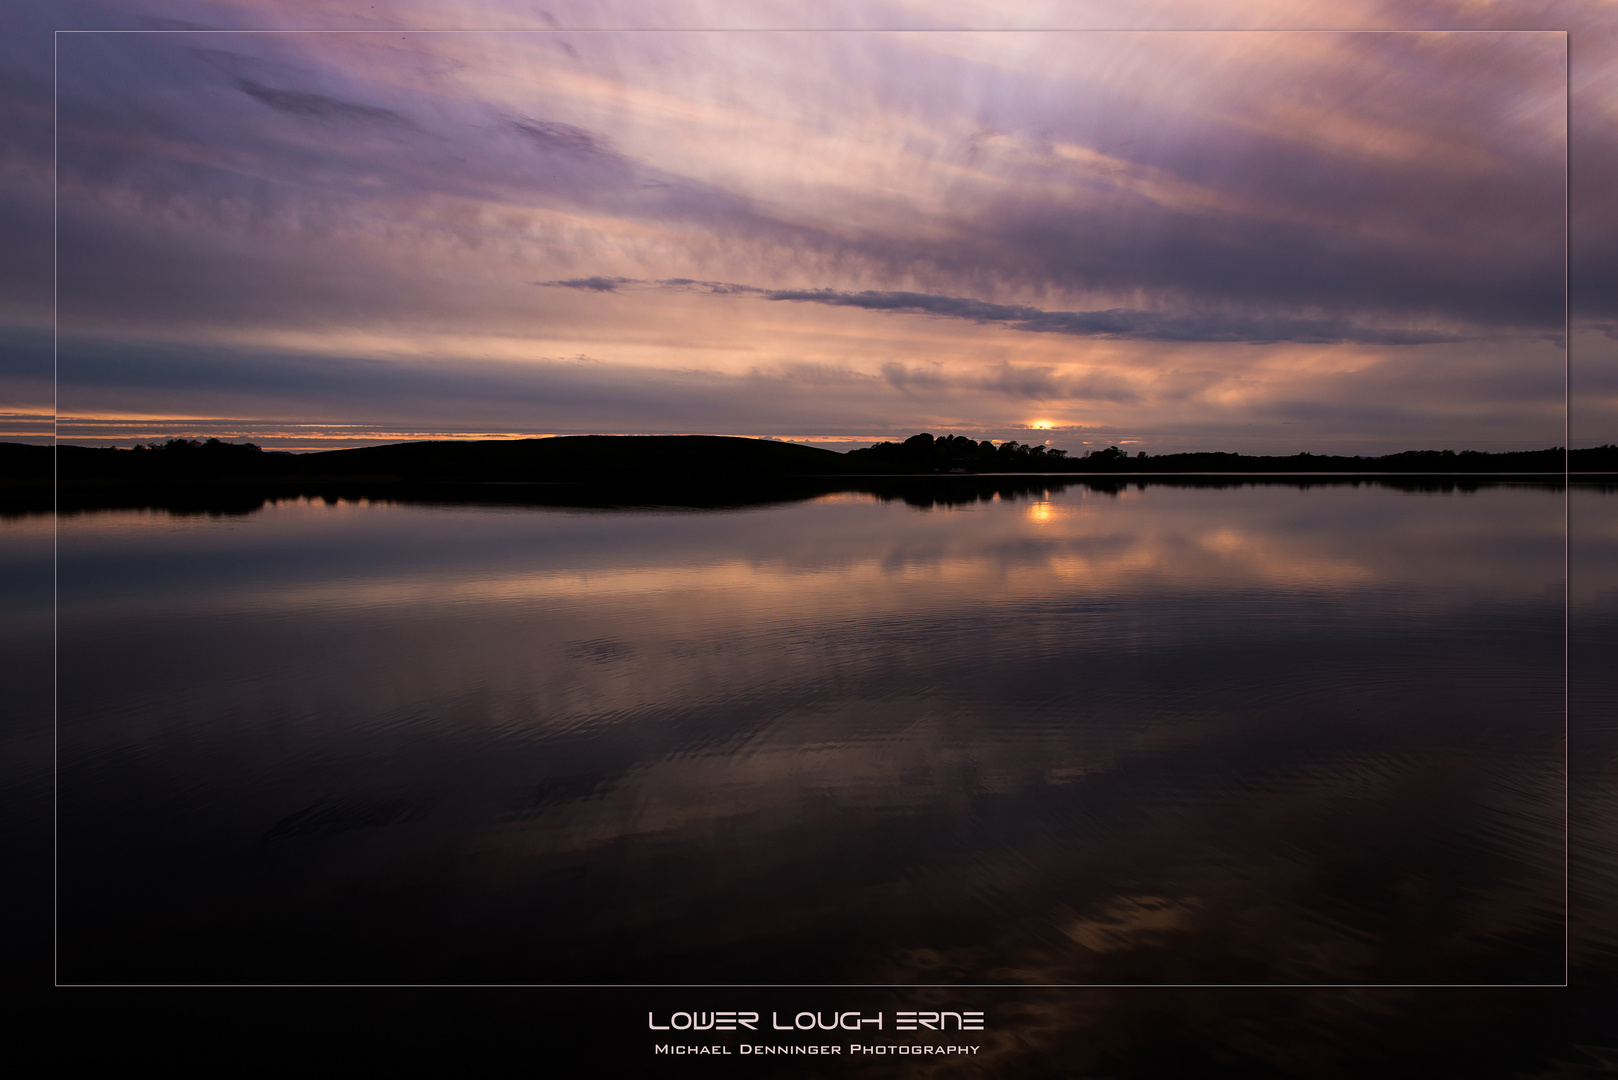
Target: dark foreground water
{"points": [[1261, 734]]}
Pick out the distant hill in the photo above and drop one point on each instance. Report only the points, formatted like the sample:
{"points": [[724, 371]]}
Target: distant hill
{"points": [[693, 460], [925, 453], [577, 458], [25, 462], [565, 459]]}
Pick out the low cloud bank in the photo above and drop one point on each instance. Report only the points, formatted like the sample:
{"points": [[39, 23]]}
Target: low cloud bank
{"points": [[1116, 323]]}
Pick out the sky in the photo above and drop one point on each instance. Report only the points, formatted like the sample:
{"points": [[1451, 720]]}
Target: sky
{"points": [[1170, 226]]}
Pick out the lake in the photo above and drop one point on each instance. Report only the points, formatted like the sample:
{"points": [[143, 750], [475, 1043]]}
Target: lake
{"points": [[969, 732]]}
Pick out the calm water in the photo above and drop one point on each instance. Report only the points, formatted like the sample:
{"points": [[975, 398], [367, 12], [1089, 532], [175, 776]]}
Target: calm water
{"points": [[1259, 734]]}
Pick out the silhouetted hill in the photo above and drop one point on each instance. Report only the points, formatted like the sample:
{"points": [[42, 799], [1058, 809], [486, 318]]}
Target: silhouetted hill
{"points": [[1411, 461], [925, 453], [22, 463], [567, 459], [576, 458], [955, 453], [689, 461]]}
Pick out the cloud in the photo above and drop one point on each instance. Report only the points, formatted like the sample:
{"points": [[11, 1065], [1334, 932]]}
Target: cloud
{"points": [[1122, 323], [1036, 220], [319, 106], [1037, 384], [552, 395], [1291, 201], [1114, 323], [564, 138], [597, 284], [905, 378], [1287, 203]]}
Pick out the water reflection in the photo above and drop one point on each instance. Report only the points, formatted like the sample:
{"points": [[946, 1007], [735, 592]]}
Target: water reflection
{"points": [[1253, 734]]}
